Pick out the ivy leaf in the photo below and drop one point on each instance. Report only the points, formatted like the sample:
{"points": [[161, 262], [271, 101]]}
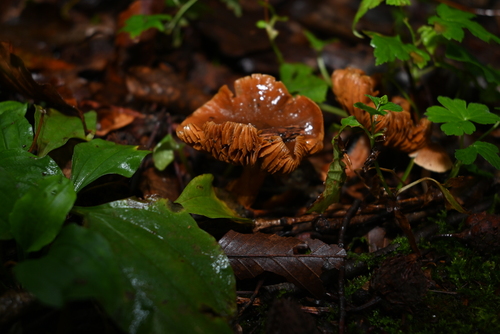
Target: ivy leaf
{"points": [[487, 150], [299, 79], [451, 23], [458, 117], [57, 128], [390, 48], [199, 198], [100, 157], [139, 23], [457, 52], [79, 265]]}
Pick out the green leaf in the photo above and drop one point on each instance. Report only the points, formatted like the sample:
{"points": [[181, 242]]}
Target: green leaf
{"points": [[79, 265], [487, 150], [390, 48], [139, 23], [15, 130], [179, 280], [457, 52], [56, 128], [233, 5], [99, 157], [451, 23], [334, 181], [317, 44], [19, 171], [299, 79], [451, 201], [350, 121], [199, 198], [390, 106], [398, 2], [372, 111], [458, 117], [39, 214], [163, 153], [364, 6]]}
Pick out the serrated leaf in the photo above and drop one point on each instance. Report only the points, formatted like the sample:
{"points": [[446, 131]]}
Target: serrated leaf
{"points": [[199, 198], [458, 117], [99, 157], [39, 214], [363, 7], [299, 79], [457, 52], [163, 153], [334, 181], [179, 280], [487, 150], [390, 48], [57, 128], [137, 24], [451, 22], [79, 265], [15, 130]]}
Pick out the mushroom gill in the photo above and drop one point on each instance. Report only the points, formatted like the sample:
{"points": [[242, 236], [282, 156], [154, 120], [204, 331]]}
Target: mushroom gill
{"points": [[351, 85], [261, 124]]}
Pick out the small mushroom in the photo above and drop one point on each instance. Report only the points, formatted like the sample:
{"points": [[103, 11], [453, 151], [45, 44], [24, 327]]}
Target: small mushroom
{"points": [[351, 85], [261, 126]]}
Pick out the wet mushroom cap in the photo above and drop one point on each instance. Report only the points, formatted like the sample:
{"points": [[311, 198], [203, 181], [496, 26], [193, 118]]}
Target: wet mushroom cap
{"points": [[260, 123]]}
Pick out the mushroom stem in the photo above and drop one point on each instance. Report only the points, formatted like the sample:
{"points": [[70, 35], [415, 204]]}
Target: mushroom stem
{"points": [[247, 186]]}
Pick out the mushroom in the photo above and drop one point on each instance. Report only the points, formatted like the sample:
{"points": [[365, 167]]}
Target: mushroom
{"points": [[261, 127], [351, 85]]}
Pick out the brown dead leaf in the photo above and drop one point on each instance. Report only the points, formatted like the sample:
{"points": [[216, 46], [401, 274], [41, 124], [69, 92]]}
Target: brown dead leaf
{"points": [[14, 76], [252, 254], [111, 117]]}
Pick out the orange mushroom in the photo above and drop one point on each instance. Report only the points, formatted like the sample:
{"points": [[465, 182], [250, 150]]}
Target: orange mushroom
{"points": [[351, 85], [261, 126]]}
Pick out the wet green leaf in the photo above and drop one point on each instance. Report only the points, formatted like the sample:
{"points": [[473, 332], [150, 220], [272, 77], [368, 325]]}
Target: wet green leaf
{"points": [[299, 79], [199, 198], [57, 128], [458, 117], [451, 22], [487, 150], [79, 265], [39, 214], [15, 130], [179, 280], [98, 157], [163, 153], [19, 171]]}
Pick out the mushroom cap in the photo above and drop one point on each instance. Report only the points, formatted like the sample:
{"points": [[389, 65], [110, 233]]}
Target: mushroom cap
{"points": [[261, 122], [401, 132]]}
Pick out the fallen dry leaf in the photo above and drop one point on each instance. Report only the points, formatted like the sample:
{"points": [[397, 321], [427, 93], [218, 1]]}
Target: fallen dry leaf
{"points": [[252, 254]]}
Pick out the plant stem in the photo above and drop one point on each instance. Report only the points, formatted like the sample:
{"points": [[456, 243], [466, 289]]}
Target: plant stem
{"points": [[171, 25], [333, 110], [323, 70], [382, 179], [407, 172]]}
